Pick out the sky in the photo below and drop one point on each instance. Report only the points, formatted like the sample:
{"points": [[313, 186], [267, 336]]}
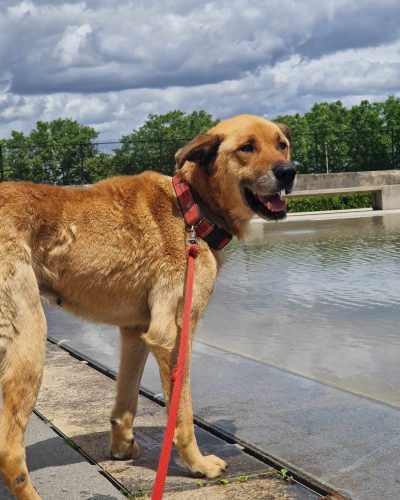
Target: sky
{"points": [[109, 63]]}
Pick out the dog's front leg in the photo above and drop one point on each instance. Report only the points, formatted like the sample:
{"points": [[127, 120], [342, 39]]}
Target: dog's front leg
{"points": [[133, 355], [162, 340]]}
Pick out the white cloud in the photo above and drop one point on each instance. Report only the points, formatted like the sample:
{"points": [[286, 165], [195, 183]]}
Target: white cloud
{"points": [[20, 10], [72, 44], [110, 63]]}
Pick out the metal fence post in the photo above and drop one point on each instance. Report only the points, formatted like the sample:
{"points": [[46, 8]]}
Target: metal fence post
{"points": [[393, 149], [160, 154], [326, 157], [81, 162], [1, 162], [316, 152]]}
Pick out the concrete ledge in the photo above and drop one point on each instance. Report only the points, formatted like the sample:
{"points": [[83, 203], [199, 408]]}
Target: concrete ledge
{"points": [[383, 197], [307, 182], [383, 185], [334, 191], [387, 198]]}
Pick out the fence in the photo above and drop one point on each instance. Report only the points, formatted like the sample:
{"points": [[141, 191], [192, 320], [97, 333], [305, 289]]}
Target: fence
{"points": [[87, 162], [348, 150]]}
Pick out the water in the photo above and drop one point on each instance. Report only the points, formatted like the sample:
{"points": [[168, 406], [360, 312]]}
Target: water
{"points": [[318, 298]]}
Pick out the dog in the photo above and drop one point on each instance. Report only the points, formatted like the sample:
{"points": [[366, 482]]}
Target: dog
{"points": [[114, 252]]}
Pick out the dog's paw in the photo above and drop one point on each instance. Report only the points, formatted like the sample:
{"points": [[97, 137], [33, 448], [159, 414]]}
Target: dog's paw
{"points": [[125, 450], [209, 466]]}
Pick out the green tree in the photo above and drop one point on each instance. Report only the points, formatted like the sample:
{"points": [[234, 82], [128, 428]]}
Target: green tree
{"points": [[391, 115], [53, 152], [153, 145], [317, 138], [368, 138], [16, 157], [98, 166], [301, 140], [332, 137], [328, 123]]}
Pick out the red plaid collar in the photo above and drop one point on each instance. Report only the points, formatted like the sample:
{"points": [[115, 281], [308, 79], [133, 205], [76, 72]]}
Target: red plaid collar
{"points": [[215, 236]]}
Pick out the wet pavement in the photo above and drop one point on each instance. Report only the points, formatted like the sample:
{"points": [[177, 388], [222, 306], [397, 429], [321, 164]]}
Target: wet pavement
{"points": [[77, 400], [316, 298], [59, 472], [321, 300], [345, 441]]}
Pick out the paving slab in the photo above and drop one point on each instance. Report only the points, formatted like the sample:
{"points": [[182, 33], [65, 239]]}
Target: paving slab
{"points": [[347, 442], [319, 431], [78, 400], [59, 472]]}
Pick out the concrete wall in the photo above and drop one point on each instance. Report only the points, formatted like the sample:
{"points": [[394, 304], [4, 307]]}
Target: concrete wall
{"points": [[307, 182]]}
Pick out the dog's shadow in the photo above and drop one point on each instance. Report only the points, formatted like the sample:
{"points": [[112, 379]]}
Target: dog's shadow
{"points": [[58, 452]]}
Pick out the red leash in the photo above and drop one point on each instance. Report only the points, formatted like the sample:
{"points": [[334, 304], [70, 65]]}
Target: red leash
{"points": [[177, 373]]}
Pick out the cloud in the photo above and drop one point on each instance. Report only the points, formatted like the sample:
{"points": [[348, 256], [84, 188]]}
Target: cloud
{"points": [[110, 63]]}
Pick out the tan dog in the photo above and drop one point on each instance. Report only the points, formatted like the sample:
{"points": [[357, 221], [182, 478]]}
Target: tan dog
{"points": [[115, 253]]}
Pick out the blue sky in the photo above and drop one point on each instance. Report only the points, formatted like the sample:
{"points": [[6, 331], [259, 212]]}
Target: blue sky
{"points": [[109, 63]]}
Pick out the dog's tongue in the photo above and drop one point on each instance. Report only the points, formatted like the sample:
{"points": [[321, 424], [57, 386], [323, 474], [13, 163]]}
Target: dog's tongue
{"points": [[273, 203]]}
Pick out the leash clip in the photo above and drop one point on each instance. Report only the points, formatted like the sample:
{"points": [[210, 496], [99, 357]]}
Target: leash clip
{"points": [[192, 243], [192, 240]]}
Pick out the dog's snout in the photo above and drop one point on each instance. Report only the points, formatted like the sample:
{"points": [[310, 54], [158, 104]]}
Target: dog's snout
{"points": [[285, 174]]}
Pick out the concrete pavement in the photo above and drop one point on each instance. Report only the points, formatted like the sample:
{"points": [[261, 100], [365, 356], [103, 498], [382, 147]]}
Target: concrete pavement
{"points": [[77, 400], [59, 472]]}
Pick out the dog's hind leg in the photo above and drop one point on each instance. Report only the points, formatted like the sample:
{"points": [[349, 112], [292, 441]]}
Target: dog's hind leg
{"points": [[133, 356], [22, 347]]}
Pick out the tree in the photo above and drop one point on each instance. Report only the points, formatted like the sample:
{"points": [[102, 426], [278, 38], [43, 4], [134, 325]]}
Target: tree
{"points": [[53, 152], [16, 157], [301, 140], [328, 124], [365, 137], [391, 115], [98, 166], [153, 145]]}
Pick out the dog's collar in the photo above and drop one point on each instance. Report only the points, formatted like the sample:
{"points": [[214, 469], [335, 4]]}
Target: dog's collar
{"points": [[215, 236]]}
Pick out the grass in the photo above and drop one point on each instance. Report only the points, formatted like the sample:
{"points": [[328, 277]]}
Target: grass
{"points": [[141, 492]]}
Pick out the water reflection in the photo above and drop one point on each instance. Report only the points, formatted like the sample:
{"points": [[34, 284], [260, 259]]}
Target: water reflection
{"points": [[319, 298]]}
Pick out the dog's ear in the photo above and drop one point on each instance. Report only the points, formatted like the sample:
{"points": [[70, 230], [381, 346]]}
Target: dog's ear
{"points": [[201, 150], [286, 131]]}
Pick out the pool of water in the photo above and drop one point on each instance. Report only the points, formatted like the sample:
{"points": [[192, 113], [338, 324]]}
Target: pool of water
{"points": [[318, 298]]}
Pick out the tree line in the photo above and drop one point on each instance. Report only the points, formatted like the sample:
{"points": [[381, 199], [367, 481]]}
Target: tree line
{"points": [[329, 137]]}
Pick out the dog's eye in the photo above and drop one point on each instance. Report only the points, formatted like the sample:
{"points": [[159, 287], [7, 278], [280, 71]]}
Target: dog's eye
{"points": [[282, 146], [247, 148]]}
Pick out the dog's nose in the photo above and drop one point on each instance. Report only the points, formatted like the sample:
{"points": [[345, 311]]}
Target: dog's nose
{"points": [[285, 174]]}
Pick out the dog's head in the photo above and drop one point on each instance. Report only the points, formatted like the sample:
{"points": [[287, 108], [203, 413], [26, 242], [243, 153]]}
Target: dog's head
{"points": [[247, 162]]}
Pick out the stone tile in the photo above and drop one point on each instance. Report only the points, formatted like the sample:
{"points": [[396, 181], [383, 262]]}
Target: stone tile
{"points": [[316, 429], [54, 468], [78, 400]]}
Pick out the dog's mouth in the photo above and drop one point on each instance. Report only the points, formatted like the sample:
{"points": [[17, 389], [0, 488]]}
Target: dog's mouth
{"points": [[269, 207]]}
